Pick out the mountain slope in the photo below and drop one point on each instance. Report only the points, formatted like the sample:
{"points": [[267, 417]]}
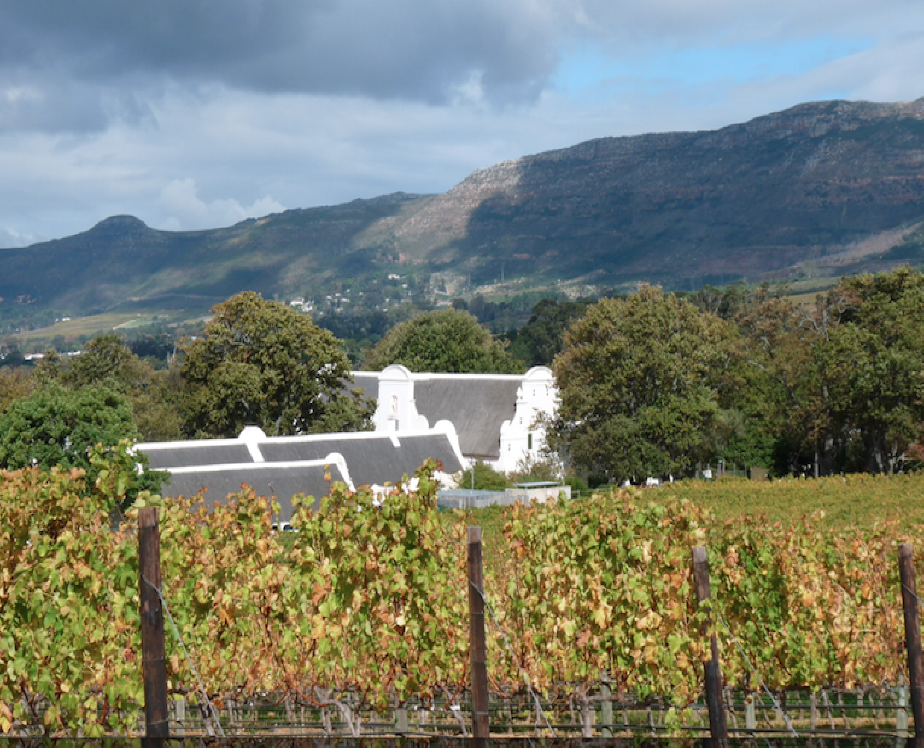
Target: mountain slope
{"points": [[837, 186], [121, 260], [804, 184]]}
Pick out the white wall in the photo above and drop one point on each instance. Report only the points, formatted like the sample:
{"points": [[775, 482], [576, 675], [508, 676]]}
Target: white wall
{"points": [[397, 410], [536, 396], [519, 438]]}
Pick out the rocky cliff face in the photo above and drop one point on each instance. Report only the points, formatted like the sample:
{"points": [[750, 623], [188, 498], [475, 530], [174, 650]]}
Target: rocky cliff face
{"points": [[807, 183]]}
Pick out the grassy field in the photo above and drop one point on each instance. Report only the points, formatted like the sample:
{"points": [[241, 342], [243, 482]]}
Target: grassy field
{"points": [[853, 501], [100, 323], [807, 290]]}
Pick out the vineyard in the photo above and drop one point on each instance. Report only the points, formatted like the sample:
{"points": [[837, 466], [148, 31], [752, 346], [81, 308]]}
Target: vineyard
{"points": [[860, 500], [358, 623]]}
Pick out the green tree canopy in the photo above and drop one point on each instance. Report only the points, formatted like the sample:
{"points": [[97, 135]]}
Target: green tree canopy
{"points": [[261, 363], [486, 478], [872, 368], [54, 426], [104, 359], [109, 363], [448, 341], [841, 384], [541, 339], [639, 380], [58, 427]]}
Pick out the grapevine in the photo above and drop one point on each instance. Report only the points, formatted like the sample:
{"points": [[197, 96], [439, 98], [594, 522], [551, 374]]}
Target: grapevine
{"points": [[365, 607]]}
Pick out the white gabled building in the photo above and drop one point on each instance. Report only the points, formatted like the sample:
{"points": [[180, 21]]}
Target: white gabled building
{"points": [[494, 415], [283, 466]]}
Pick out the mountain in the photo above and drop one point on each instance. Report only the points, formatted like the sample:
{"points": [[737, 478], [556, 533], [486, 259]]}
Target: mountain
{"points": [[827, 188], [122, 262]]}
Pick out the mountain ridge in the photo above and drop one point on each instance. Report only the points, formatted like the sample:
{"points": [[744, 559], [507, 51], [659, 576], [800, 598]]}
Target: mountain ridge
{"points": [[753, 200]]}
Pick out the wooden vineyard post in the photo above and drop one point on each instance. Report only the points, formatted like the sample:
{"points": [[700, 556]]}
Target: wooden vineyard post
{"points": [[153, 648], [477, 648], [401, 725], [711, 670], [901, 716], [912, 639], [606, 704]]}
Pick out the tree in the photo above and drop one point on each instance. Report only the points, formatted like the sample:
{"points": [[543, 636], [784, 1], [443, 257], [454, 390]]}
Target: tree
{"points": [[260, 363], [544, 468], [842, 388], [486, 478], [789, 400], [872, 366], [104, 359], [722, 302], [10, 354], [15, 383], [541, 339], [108, 362], [639, 380], [447, 340], [58, 427]]}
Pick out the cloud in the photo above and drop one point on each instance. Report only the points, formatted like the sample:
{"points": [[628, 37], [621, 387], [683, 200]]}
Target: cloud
{"points": [[194, 114], [180, 208], [403, 48], [677, 24], [30, 102], [80, 66], [11, 238]]}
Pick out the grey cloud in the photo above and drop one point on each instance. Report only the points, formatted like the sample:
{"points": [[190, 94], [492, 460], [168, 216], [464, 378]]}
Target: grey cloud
{"points": [[726, 22], [81, 56], [404, 48], [30, 102]]}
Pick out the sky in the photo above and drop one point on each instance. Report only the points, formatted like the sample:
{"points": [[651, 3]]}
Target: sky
{"points": [[194, 114]]}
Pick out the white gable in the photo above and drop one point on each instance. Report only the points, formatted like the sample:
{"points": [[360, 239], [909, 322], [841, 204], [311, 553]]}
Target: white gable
{"points": [[494, 415]]}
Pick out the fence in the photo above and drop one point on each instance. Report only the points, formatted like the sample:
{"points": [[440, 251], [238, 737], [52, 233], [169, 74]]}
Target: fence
{"points": [[466, 498], [591, 711], [858, 713]]}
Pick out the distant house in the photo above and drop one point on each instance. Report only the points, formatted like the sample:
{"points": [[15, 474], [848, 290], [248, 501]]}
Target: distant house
{"points": [[493, 414], [284, 466]]}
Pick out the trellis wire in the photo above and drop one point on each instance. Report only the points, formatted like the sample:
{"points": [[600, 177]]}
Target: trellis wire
{"points": [[192, 666], [757, 675], [515, 660]]}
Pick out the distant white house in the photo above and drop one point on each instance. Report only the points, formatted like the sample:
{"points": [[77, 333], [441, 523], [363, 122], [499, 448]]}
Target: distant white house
{"points": [[494, 415]]}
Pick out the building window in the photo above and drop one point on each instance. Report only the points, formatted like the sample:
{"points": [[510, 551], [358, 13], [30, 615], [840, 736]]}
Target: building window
{"points": [[529, 441]]}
